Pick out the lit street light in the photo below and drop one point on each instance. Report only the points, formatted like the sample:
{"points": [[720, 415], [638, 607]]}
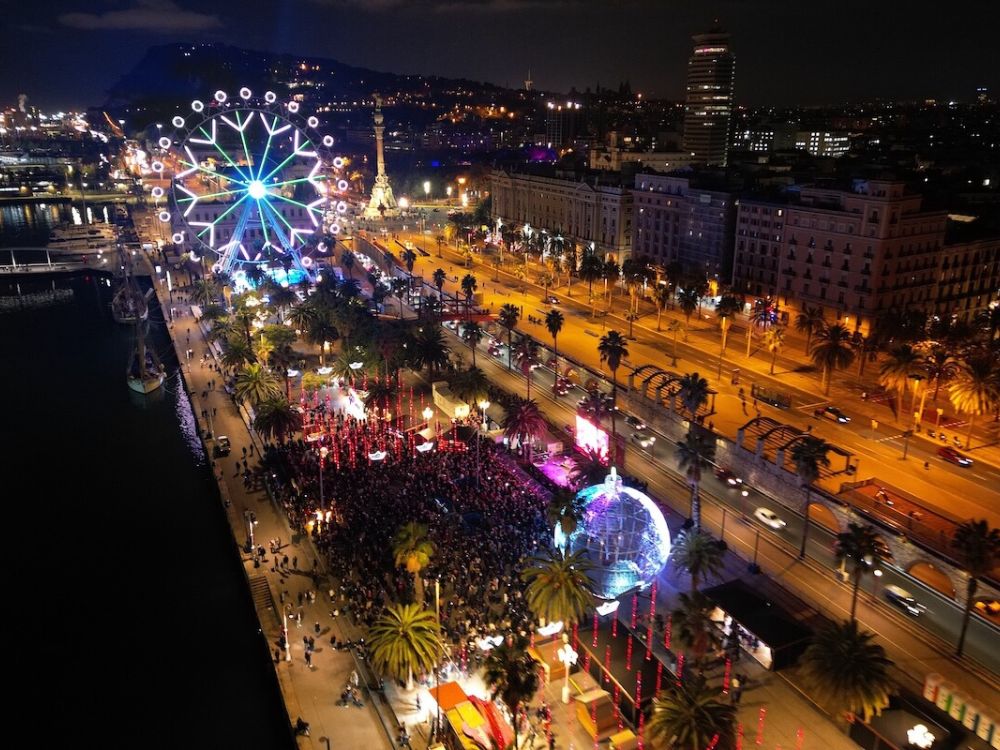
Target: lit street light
{"points": [[322, 457], [567, 656]]}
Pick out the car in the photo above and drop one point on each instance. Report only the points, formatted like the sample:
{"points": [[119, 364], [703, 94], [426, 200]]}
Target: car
{"points": [[953, 456], [832, 413], [726, 476], [903, 599], [453, 325], [634, 422], [643, 440], [988, 607], [562, 386], [769, 518], [222, 446], [550, 300]]}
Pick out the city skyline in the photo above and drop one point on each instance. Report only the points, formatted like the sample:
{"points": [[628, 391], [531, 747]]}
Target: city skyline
{"points": [[788, 55]]}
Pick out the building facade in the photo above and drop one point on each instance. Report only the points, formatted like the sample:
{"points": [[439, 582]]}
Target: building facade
{"points": [[708, 105], [584, 211], [859, 253], [678, 220]]}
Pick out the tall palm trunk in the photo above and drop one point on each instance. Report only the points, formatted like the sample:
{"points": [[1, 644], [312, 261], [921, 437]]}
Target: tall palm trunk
{"points": [[970, 593], [695, 507], [805, 524], [968, 436]]}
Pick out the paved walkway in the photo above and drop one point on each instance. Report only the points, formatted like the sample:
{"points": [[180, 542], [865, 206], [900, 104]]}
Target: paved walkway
{"points": [[312, 691]]}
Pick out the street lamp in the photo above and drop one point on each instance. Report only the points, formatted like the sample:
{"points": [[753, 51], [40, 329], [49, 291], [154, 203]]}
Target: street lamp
{"points": [[484, 405], [567, 656], [427, 188]]}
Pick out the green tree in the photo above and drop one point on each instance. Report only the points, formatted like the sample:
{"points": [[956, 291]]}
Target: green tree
{"points": [[726, 308], [256, 384], [302, 315], [808, 455], [674, 327], [565, 511], [205, 292], [412, 549], [688, 300], [810, 321], [472, 334], [507, 317], [409, 259], [695, 453], [692, 623], [558, 589], [554, 321], [975, 390], [322, 332], [690, 715], [470, 385], [275, 418], [699, 554], [692, 391], [865, 549], [281, 299], [512, 675], [469, 286], [382, 394], [832, 351], [527, 360], [774, 340], [523, 422], [429, 349], [939, 366], [902, 363], [237, 353], [613, 348], [405, 639], [661, 297], [347, 261], [844, 670], [439, 277], [587, 469], [978, 549]]}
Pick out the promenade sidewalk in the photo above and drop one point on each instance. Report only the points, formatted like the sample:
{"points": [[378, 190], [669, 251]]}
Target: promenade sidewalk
{"points": [[309, 692]]}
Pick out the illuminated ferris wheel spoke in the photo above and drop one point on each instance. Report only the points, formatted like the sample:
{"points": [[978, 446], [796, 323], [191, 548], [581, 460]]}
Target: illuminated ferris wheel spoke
{"points": [[194, 166], [210, 140], [309, 207], [224, 214], [195, 197], [272, 130], [298, 150], [263, 224], [243, 137]]}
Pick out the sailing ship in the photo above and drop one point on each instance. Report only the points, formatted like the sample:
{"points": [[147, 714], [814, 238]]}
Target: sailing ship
{"points": [[145, 372], [129, 304]]}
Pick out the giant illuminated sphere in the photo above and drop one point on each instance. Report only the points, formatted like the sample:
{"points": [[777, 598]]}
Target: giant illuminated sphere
{"points": [[624, 535]]}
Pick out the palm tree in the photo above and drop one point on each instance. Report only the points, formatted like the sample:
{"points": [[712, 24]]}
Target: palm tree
{"points": [[524, 421], [808, 455], [472, 334], [595, 406], [613, 348], [690, 715], [347, 261], [256, 384], [759, 319], [439, 276], [774, 340], [382, 394], [554, 324], [832, 351], [205, 292], [429, 349], [976, 388], [865, 549], [725, 308], [470, 385], [978, 550], [565, 511], [274, 417], [810, 321], [688, 300], [587, 468], [512, 674], [440, 240], [237, 353], [322, 332], [507, 317], [902, 363], [282, 299], [405, 639], [409, 259], [398, 288], [675, 327], [558, 589], [591, 269], [692, 622], [939, 366], [692, 390], [302, 315], [413, 550], [695, 453], [661, 297], [846, 671], [527, 360], [469, 285], [866, 348], [699, 554]]}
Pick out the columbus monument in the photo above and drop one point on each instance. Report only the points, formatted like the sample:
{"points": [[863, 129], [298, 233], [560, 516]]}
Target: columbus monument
{"points": [[382, 203]]}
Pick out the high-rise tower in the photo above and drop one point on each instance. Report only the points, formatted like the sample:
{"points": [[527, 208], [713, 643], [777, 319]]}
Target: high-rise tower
{"points": [[709, 104], [382, 202]]}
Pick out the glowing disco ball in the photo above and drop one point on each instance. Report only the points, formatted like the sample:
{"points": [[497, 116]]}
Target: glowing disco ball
{"points": [[624, 535]]}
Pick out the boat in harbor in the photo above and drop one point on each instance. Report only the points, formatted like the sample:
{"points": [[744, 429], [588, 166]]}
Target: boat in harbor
{"points": [[145, 372], [129, 304]]}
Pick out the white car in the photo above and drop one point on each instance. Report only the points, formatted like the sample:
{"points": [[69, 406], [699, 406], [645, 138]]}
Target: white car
{"points": [[643, 440], [769, 518], [904, 599]]}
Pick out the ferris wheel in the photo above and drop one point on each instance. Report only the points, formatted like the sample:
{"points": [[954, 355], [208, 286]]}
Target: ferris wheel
{"points": [[254, 183]]}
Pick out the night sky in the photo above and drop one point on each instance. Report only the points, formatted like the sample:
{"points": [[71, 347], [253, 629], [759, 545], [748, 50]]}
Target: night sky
{"points": [[65, 53]]}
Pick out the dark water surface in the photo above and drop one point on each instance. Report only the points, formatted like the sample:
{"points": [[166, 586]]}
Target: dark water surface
{"points": [[129, 618]]}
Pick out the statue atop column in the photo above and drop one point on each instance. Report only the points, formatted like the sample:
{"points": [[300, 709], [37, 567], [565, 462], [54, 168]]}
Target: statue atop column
{"points": [[382, 203]]}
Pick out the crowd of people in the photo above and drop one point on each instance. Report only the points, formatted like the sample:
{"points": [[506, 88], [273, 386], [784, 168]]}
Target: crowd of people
{"points": [[483, 516]]}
